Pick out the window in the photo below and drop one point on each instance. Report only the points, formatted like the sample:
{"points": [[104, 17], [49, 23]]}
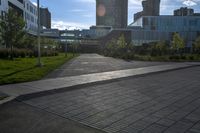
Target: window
{"points": [[0, 2], [31, 9], [32, 19], [21, 1], [145, 21]]}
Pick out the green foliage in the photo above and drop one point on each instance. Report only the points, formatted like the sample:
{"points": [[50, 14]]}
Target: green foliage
{"points": [[12, 29], [177, 42], [159, 48], [118, 48], [197, 43], [121, 42], [28, 42]]}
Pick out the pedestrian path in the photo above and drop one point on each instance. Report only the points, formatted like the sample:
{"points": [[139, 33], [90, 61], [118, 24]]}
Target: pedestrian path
{"points": [[16, 90]]}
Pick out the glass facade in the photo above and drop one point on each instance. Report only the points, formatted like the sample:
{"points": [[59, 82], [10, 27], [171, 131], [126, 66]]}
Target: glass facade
{"points": [[156, 28]]}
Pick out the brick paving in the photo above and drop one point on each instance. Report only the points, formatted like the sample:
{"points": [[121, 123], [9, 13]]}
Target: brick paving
{"points": [[159, 103]]}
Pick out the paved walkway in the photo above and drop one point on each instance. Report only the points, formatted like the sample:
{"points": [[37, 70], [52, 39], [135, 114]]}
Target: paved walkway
{"points": [[17, 117], [67, 82], [166, 102], [94, 63]]}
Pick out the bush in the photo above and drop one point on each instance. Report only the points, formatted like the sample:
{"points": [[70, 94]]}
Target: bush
{"points": [[17, 53], [174, 57], [183, 57], [4, 53], [191, 57]]}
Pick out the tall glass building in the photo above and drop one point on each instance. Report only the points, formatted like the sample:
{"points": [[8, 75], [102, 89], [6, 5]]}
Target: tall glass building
{"points": [[112, 13]]}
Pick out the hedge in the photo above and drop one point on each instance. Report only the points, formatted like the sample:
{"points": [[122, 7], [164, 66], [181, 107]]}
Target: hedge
{"points": [[22, 53]]}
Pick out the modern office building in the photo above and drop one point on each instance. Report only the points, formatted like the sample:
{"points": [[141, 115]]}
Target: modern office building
{"points": [[24, 8], [112, 13], [45, 18], [184, 11], [150, 8], [156, 28], [30, 17]]}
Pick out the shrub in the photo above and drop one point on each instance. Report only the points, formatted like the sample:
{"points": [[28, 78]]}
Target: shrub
{"points": [[174, 57], [191, 57], [183, 57], [17, 53]]}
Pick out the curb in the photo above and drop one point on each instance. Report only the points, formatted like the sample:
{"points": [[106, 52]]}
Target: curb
{"points": [[75, 87], [7, 99]]}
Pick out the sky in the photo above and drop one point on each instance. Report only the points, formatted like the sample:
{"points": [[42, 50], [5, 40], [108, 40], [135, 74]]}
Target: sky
{"points": [[80, 14]]}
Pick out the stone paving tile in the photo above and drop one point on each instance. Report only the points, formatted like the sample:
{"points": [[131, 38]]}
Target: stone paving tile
{"points": [[155, 128], [165, 122], [165, 102], [179, 127], [195, 128]]}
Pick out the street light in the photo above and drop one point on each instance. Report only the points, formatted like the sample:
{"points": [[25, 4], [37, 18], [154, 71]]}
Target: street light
{"points": [[39, 64]]}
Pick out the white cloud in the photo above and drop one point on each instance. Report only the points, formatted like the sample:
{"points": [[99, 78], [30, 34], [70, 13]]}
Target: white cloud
{"points": [[34, 3], [189, 3], [135, 2], [62, 25]]}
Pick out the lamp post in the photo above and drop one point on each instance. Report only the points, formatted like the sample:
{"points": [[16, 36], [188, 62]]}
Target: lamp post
{"points": [[39, 64]]}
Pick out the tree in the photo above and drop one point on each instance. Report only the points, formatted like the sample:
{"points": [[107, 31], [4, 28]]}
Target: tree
{"points": [[178, 42], [121, 42], [12, 30], [159, 48], [197, 43]]}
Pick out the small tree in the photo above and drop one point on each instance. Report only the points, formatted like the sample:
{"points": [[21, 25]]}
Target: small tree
{"points": [[178, 42], [197, 43], [12, 30], [121, 42], [110, 48]]}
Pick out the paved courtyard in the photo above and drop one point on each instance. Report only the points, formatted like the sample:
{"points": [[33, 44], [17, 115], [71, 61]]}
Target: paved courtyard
{"points": [[167, 102], [94, 63]]}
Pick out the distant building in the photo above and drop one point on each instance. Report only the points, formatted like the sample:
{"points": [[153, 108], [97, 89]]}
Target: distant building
{"points": [[138, 15], [156, 28], [51, 33], [30, 17], [25, 9], [112, 13], [196, 14], [96, 32], [45, 18], [184, 11], [150, 8]]}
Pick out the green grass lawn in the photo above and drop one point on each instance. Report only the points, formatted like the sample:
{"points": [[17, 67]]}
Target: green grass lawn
{"points": [[24, 69]]}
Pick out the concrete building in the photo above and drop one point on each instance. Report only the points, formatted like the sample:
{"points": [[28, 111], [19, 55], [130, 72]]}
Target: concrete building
{"points": [[150, 8], [184, 11], [95, 31], [45, 18], [156, 28], [24, 8], [30, 17], [112, 13]]}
